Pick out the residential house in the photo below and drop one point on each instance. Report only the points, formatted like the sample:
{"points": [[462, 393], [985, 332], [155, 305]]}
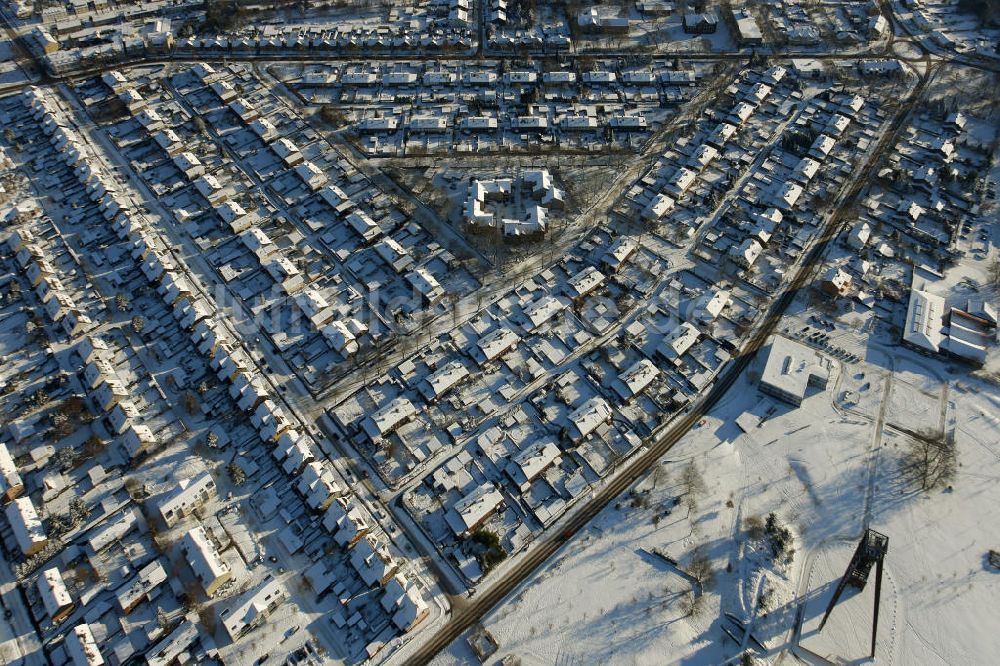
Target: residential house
{"points": [[189, 495], [26, 525], [205, 560], [55, 597]]}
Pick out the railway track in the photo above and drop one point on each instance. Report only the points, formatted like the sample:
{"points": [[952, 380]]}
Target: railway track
{"points": [[475, 609]]}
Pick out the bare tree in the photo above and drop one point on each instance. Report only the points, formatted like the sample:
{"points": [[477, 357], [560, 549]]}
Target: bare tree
{"points": [[190, 401], [93, 446], [755, 527], [659, 472], [701, 567], [693, 604], [693, 484], [162, 619], [930, 462], [995, 274]]}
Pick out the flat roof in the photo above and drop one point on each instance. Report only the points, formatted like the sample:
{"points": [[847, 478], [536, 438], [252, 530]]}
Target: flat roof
{"points": [[792, 366]]}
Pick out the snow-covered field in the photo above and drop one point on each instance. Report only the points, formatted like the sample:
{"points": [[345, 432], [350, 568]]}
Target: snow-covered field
{"points": [[606, 597]]}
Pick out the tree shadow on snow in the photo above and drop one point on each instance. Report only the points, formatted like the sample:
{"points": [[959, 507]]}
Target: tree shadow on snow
{"points": [[838, 514], [840, 500], [774, 629]]}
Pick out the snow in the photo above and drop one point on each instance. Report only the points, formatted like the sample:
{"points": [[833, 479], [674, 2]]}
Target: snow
{"points": [[604, 597]]}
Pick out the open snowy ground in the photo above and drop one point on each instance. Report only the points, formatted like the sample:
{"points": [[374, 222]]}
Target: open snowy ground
{"points": [[606, 597]]}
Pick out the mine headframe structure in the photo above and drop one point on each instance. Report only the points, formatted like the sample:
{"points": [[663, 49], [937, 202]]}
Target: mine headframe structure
{"points": [[871, 551]]}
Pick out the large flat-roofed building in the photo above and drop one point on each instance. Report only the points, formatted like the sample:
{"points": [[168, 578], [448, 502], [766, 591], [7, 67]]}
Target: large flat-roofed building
{"points": [[791, 368], [747, 32], [932, 327], [924, 322], [969, 337]]}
